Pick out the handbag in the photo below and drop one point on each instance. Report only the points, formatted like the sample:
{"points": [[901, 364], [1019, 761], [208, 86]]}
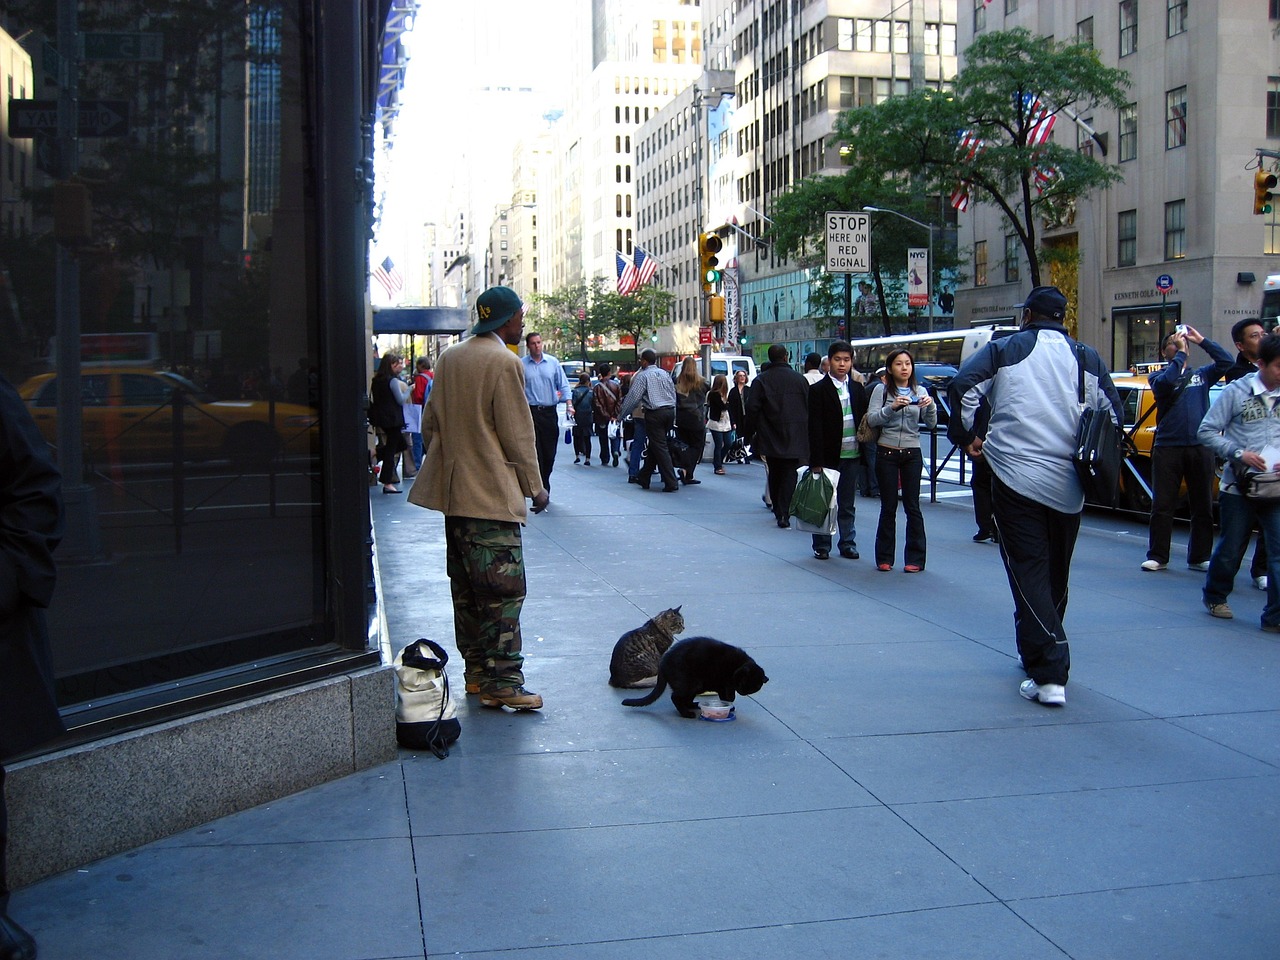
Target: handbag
{"points": [[1261, 486], [615, 429], [866, 432], [426, 717], [568, 434], [1097, 453]]}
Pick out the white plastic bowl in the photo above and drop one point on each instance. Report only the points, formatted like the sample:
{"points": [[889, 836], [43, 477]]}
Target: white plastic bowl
{"points": [[715, 709]]}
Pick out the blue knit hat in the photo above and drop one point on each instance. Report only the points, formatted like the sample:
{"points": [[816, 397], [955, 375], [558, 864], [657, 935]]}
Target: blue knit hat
{"points": [[495, 307]]}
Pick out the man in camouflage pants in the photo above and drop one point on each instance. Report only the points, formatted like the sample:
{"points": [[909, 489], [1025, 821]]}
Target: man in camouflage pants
{"points": [[480, 465]]}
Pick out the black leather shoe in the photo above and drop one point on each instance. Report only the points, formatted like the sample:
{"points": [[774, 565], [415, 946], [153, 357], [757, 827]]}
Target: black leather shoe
{"points": [[849, 553], [15, 943], [644, 484], [671, 489], [633, 480], [820, 554], [784, 524], [689, 481]]}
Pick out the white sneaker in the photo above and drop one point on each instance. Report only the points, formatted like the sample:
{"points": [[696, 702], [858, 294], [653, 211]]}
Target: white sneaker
{"points": [[1152, 565], [1260, 582], [1050, 694], [1202, 565]]}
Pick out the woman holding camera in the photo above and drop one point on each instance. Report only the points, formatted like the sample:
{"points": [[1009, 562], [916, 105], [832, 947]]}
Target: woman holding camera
{"points": [[898, 407]]}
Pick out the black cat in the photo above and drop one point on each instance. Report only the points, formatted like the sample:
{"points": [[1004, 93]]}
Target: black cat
{"points": [[701, 664]]}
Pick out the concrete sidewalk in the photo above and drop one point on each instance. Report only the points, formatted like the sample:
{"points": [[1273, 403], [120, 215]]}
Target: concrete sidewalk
{"points": [[887, 794]]}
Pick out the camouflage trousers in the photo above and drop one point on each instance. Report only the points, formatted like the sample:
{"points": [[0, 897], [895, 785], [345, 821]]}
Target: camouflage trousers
{"points": [[485, 563]]}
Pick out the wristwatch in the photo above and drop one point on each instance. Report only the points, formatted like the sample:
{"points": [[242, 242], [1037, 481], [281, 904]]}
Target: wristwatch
{"points": [[1238, 454]]}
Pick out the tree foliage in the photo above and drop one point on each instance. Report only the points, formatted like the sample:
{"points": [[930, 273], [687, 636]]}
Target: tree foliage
{"points": [[636, 314], [916, 139]]}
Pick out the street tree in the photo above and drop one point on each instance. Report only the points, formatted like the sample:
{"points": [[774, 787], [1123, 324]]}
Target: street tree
{"points": [[636, 314], [799, 230], [986, 139], [572, 311]]}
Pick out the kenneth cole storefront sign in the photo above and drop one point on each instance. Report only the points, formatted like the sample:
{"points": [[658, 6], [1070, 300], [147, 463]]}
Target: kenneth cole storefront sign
{"points": [[1122, 296]]}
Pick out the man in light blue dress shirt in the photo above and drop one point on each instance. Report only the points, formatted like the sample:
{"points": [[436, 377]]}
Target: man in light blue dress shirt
{"points": [[545, 385]]}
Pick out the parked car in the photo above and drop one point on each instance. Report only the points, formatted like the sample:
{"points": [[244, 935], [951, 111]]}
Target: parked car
{"points": [[128, 418]]}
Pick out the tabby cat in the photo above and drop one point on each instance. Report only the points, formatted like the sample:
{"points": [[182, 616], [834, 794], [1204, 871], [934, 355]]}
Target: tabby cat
{"points": [[701, 664], [636, 654]]}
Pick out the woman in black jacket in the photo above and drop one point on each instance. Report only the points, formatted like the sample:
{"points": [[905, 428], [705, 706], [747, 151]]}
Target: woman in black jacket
{"points": [[387, 396]]}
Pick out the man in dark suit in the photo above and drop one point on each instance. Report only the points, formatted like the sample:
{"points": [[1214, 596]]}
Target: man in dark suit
{"points": [[30, 528], [837, 403], [778, 420]]}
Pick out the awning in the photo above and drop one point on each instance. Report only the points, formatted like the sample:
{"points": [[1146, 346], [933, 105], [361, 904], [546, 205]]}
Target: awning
{"points": [[442, 320]]}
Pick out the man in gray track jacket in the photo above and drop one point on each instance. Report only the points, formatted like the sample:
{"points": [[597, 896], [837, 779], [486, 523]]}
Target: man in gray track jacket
{"points": [[1030, 381]]}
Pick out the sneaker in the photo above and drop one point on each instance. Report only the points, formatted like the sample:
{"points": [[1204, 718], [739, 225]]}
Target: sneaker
{"points": [[884, 567], [821, 554], [1202, 565], [1219, 610], [1271, 628], [1050, 694], [615, 461], [518, 698], [981, 537], [472, 686], [912, 568], [1152, 565], [1260, 582]]}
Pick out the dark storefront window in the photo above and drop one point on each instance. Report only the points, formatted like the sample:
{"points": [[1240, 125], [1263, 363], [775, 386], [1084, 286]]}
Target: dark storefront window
{"points": [[1139, 332], [195, 545]]}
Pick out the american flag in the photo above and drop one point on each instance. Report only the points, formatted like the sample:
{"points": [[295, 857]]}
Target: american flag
{"points": [[960, 197], [1043, 176], [387, 275], [1040, 120], [646, 267], [970, 147], [626, 273]]}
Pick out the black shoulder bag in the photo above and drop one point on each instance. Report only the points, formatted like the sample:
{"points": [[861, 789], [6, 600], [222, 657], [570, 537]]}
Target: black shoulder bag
{"points": [[1097, 455]]}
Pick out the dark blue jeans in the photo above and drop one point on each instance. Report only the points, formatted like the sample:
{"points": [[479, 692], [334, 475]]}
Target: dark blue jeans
{"points": [[635, 452], [894, 467], [719, 441], [1236, 517]]}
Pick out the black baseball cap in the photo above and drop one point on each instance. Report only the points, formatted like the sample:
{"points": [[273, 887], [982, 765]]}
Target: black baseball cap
{"points": [[1046, 302]]}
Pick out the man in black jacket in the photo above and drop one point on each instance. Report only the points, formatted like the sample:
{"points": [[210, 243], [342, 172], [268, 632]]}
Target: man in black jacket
{"points": [[837, 404], [778, 420], [30, 528]]}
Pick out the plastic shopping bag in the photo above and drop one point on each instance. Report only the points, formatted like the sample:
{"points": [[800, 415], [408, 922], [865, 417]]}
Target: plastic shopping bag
{"points": [[814, 502]]}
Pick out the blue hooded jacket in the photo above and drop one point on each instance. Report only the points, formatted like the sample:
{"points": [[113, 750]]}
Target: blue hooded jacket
{"points": [[1178, 416]]}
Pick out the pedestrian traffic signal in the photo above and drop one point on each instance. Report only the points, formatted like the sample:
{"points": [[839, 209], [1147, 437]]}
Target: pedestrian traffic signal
{"points": [[715, 309], [708, 246], [1263, 184]]}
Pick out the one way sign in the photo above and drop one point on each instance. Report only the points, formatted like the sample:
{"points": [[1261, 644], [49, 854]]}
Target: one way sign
{"points": [[97, 118]]}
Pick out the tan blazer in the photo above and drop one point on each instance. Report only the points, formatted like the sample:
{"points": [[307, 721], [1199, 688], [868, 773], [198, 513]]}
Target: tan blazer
{"points": [[479, 456]]}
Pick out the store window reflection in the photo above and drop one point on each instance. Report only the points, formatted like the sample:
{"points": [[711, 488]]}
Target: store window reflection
{"points": [[200, 432]]}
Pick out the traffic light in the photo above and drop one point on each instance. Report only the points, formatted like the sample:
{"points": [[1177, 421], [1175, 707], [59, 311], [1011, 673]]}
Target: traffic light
{"points": [[1263, 184], [708, 246], [715, 309]]}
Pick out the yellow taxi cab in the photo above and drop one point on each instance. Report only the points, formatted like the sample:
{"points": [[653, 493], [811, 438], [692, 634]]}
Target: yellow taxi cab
{"points": [[1139, 406], [128, 417]]}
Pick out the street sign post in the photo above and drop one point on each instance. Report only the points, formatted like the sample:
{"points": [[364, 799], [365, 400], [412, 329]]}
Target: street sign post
{"points": [[1164, 283], [848, 242], [96, 118], [130, 47]]}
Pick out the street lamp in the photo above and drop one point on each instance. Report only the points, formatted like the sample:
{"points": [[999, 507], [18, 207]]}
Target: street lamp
{"points": [[928, 266]]}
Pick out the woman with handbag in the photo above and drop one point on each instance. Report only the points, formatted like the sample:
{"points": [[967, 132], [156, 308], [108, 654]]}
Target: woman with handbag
{"points": [[691, 417], [898, 407], [580, 403], [718, 421], [388, 395], [606, 402]]}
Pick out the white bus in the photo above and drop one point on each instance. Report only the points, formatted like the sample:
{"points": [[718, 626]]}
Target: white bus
{"points": [[1271, 301], [949, 347]]}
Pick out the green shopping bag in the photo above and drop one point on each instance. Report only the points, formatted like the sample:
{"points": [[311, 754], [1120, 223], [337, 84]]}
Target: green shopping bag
{"points": [[812, 500]]}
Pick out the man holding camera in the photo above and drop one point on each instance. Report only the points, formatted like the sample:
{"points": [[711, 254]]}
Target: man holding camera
{"points": [[1182, 400]]}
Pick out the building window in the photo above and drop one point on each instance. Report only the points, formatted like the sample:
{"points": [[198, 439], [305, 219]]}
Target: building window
{"points": [[1128, 27], [1273, 106], [1176, 18], [980, 263], [1270, 232], [862, 36], [844, 34], [1011, 258], [979, 15], [1010, 6], [1084, 32], [1175, 230], [1129, 132], [1175, 118], [1084, 142], [846, 93], [1126, 238]]}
